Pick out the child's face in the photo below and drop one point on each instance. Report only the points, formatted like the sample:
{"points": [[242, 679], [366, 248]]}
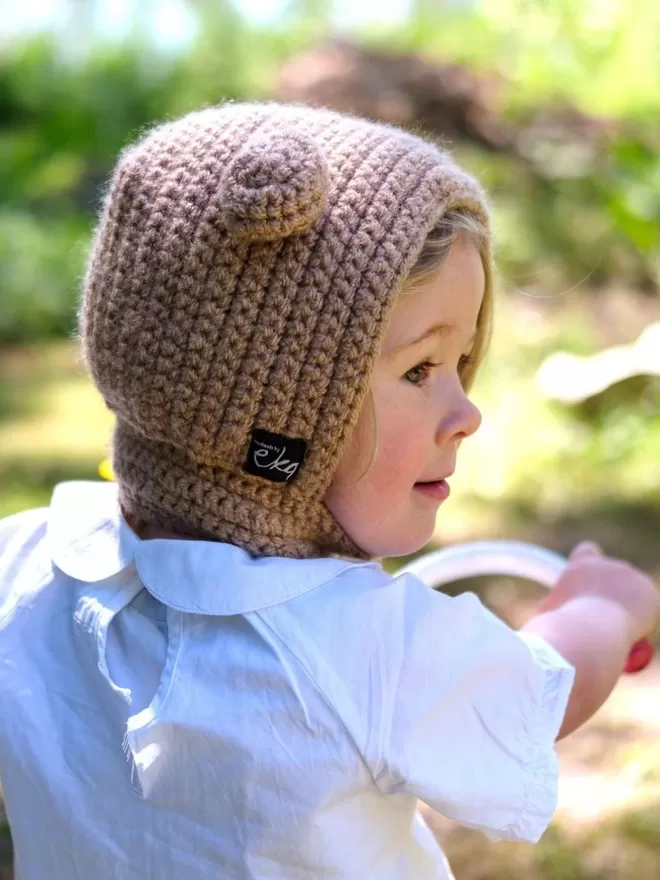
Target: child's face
{"points": [[422, 411]]}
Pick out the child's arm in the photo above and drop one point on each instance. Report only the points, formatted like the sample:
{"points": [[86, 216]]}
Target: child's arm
{"points": [[598, 610], [593, 635]]}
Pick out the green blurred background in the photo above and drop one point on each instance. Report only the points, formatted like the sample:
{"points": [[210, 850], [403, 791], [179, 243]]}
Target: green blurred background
{"points": [[555, 105]]}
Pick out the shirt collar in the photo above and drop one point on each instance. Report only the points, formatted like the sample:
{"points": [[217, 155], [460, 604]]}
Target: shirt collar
{"points": [[90, 541]]}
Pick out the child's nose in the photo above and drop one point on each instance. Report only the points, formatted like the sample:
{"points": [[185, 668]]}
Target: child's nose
{"points": [[462, 421], [472, 418]]}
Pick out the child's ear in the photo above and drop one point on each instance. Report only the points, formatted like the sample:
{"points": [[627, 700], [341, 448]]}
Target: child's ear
{"points": [[275, 187]]}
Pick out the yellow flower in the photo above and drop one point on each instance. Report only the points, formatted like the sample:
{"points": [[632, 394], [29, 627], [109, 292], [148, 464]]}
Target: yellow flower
{"points": [[105, 470]]}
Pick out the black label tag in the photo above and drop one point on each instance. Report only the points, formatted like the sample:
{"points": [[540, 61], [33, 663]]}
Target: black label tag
{"points": [[274, 457]]}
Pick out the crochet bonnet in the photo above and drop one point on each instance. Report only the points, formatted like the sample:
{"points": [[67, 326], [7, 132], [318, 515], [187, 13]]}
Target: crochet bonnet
{"points": [[238, 290]]}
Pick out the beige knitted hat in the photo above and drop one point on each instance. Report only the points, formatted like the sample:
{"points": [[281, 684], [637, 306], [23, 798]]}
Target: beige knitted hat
{"points": [[238, 290]]}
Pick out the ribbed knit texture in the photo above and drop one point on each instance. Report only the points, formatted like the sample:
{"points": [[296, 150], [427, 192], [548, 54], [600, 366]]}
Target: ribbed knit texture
{"points": [[242, 274]]}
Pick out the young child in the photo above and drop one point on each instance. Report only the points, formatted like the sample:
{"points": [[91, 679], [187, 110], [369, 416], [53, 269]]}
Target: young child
{"points": [[204, 672]]}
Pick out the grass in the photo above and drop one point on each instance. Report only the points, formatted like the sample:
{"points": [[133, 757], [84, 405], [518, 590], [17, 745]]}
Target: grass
{"points": [[626, 847], [53, 425]]}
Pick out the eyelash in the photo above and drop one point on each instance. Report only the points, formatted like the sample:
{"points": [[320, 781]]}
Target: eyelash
{"points": [[427, 366]]}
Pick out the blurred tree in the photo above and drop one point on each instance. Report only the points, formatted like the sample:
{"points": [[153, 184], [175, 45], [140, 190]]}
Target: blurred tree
{"points": [[586, 186], [507, 80]]}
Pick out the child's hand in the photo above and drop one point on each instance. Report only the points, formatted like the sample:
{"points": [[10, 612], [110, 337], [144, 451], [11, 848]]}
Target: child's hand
{"points": [[599, 608], [591, 574]]}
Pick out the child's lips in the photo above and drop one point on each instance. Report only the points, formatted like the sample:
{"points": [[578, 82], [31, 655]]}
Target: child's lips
{"points": [[438, 490]]}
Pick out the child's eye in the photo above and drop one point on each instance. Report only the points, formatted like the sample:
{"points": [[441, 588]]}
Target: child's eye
{"points": [[420, 373], [465, 361]]}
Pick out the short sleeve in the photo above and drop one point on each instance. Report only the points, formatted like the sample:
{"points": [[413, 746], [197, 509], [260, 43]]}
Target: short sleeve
{"points": [[19, 535], [475, 713]]}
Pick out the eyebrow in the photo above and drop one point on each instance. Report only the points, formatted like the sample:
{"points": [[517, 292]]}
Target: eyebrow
{"points": [[442, 330]]}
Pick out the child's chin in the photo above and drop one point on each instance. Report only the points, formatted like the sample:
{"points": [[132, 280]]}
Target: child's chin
{"points": [[401, 546]]}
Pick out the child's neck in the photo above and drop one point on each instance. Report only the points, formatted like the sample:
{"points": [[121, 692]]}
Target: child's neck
{"points": [[152, 531]]}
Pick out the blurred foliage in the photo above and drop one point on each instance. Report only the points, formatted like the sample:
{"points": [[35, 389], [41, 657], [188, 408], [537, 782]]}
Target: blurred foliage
{"points": [[601, 188], [584, 53], [618, 849], [586, 204], [595, 208]]}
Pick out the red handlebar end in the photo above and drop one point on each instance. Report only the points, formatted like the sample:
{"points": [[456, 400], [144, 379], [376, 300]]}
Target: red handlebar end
{"points": [[640, 656]]}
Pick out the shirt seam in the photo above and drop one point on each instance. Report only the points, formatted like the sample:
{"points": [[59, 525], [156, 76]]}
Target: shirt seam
{"points": [[326, 698]]}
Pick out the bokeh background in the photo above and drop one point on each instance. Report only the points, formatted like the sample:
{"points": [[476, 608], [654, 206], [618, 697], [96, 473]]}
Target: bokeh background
{"points": [[555, 105]]}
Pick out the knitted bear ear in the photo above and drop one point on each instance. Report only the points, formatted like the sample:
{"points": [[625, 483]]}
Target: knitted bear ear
{"points": [[275, 187]]}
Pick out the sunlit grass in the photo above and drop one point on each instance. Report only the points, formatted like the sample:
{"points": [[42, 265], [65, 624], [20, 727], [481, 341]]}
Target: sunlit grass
{"points": [[61, 414], [622, 847], [53, 427], [72, 422]]}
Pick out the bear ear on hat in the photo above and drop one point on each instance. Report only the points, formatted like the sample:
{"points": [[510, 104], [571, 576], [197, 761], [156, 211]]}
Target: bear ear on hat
{"points": [[276, 186]]}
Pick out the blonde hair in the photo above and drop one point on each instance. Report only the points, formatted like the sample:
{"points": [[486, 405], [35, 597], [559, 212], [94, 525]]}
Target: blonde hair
{"points": [[433, 254]]}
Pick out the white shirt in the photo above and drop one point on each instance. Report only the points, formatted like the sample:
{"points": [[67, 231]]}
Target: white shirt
{"points": [[178, 709]]}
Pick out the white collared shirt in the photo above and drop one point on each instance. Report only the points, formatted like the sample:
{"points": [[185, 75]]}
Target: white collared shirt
{"points": [[177, 710]]}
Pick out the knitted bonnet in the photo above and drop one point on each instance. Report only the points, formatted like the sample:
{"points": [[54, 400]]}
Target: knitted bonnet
{"points": [[238, 290]]}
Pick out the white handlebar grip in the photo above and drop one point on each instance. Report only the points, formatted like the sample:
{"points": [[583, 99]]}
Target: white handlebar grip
{"points": [[513, 558]]}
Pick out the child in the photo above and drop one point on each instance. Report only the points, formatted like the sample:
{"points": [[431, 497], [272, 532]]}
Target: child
{"points": [[204, 673]]}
